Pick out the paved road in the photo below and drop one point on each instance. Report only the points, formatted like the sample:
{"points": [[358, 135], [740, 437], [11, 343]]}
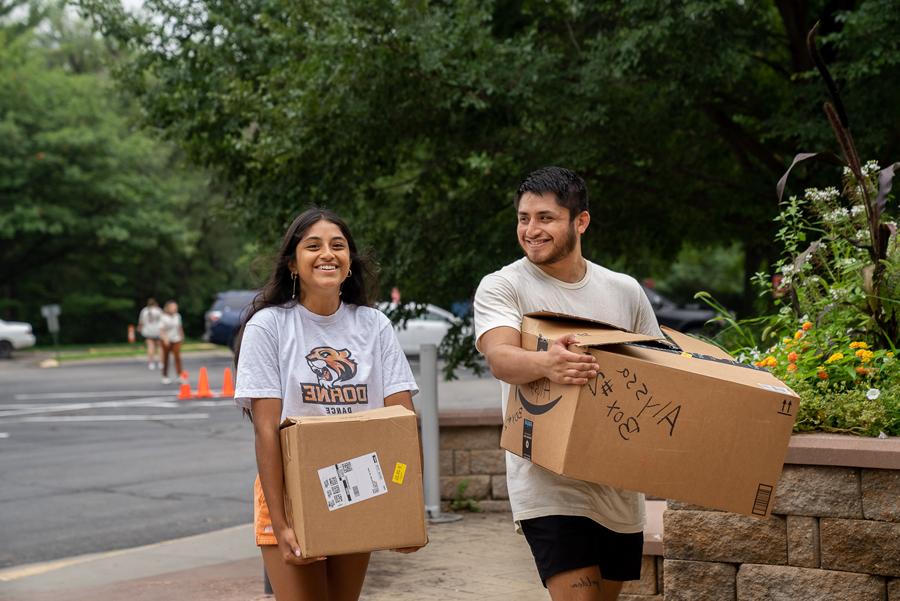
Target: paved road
{"points": [[101, 456]]}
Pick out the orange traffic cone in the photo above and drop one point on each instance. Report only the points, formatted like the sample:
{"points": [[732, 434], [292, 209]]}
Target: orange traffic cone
{"points": [[203, 391], [227, 384], [184, 392]]}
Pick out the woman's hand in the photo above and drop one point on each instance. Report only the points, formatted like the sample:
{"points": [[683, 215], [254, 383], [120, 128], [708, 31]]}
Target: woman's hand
{"points": [[290, 549]]}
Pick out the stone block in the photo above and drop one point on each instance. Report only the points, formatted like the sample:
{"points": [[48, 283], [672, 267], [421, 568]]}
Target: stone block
{"points": [[881, 495], [647, 584], [860, 546], [470, 437], [478, 487], [692, 580], [498, 487], [446, 459], [461, 462], [803, 541], [722, 536], [676, 505], [488, 462], [788, 583], [496, 505], [893, 590], [819, 491]]}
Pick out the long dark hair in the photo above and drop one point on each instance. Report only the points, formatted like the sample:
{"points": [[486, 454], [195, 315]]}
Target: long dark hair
{"points": [[278, 289]]}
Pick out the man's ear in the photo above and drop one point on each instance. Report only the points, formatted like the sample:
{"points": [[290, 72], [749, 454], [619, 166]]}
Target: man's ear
{"points": [[582, 221]]}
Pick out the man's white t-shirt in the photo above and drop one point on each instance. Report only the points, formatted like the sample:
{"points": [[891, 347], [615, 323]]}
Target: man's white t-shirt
{"points": [[345, 362], [502, 298], [149, 320]]}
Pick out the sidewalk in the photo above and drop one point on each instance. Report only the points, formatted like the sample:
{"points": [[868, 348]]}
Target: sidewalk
{"points": [[479, 557]]}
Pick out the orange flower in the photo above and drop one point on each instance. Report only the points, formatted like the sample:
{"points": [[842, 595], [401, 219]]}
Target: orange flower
{"points": [[822, 375], [862, 371], [860, 345], [792, 367], [792, 357], [807, 325], [798, 334]]}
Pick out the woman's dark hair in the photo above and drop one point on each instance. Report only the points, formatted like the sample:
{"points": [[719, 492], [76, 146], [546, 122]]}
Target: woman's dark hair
{"points": [[278, 289]]}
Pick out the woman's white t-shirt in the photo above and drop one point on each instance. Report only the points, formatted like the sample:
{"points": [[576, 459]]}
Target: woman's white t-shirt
{"points": [[149, 320], [345, 362], [170, 327]]}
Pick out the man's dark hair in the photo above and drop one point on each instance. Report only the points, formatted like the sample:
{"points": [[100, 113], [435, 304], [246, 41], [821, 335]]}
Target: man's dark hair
{"points": [[565, 185]]}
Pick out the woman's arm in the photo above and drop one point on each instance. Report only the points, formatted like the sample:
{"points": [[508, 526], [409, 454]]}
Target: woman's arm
{"points": [[266, 420]]}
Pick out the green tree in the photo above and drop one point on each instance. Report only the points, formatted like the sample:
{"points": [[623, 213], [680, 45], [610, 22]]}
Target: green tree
{"points": [[94, 213], [418, 119]]}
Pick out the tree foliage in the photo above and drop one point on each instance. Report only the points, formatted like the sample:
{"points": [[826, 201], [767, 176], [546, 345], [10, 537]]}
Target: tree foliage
{"points": [[418, 119], [95, 214]]}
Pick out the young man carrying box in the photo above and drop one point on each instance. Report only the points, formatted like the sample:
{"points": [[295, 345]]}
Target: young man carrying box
{"points": [[586, 538]]}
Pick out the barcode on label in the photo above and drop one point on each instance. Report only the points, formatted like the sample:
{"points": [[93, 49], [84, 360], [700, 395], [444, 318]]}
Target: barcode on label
{"points": [[763, 496], [355, 491]]}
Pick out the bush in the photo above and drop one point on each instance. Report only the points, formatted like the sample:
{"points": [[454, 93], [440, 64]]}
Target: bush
{"points": [[833, 337]]}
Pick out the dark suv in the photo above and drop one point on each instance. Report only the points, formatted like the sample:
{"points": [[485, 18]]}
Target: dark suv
{"points": [[224, 317]]}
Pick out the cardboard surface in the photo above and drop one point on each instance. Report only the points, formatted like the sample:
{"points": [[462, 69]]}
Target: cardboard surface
{"points": [[681, 422], [353, 482]]}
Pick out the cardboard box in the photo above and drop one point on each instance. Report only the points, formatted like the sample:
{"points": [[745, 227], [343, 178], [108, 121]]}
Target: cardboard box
{"points": [[678, 418], [353, 482]]}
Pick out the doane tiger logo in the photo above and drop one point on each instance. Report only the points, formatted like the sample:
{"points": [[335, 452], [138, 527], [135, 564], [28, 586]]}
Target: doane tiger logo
{"points": [[331, 367]]}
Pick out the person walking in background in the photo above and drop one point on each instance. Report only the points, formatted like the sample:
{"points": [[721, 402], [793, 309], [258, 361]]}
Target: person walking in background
{"points": [[171, 335], [311, 329], [586, 538], [148, 326]]}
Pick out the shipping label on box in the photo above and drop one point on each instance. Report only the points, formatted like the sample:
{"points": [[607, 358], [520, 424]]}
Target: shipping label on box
{"points": [[352, 481], [677, 418]]}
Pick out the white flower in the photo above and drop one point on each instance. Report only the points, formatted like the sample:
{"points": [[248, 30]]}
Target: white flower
{"points": [[871, 167], [873, 393], [856, 210]]}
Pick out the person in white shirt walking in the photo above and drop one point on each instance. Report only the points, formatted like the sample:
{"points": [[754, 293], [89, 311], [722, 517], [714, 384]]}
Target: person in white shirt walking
{"points": [[586, 538], [148, 326], [171, 335]]}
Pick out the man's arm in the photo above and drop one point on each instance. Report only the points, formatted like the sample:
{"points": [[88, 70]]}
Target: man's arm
{"points": [[513, 364]]}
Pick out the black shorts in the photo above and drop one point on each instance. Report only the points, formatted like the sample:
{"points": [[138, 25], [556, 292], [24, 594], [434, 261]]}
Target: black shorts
{"points": [[561, 543]]}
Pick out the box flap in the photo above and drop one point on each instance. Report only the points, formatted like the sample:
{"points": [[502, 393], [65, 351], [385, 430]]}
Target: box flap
{"points": [[590, 332], [693, 345], [362, 416]]}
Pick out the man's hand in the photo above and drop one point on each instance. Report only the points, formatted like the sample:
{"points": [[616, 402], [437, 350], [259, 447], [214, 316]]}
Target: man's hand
{"points": [[566, 367]]}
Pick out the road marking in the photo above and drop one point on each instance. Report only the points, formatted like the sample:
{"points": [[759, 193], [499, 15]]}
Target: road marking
{"points": [[44, 419], [151, 402], [88, 395], [4, 434]]}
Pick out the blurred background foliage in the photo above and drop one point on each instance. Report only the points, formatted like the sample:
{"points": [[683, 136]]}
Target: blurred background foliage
{"points": [[416, 121]]}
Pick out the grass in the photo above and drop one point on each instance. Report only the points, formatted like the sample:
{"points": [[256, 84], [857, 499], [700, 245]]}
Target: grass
{"points": [[82, 352]]}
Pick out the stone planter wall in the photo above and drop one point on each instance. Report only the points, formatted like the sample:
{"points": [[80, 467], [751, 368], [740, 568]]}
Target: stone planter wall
{"points": [[834, 533]]}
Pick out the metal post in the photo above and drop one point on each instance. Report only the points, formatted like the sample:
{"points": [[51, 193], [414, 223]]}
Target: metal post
{"points": [[428, 410], [267, 586]]}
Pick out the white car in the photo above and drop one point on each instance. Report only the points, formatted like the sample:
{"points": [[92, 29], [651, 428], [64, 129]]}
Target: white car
{"points": [[14, 335], [428, 328]]}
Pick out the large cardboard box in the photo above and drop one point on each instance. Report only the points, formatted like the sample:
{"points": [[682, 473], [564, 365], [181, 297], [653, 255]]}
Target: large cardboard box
{"points": [[678, 418], [353, 482]]}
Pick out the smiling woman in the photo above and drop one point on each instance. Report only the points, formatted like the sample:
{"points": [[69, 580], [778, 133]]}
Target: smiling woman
{"points": [[312, 345]]}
